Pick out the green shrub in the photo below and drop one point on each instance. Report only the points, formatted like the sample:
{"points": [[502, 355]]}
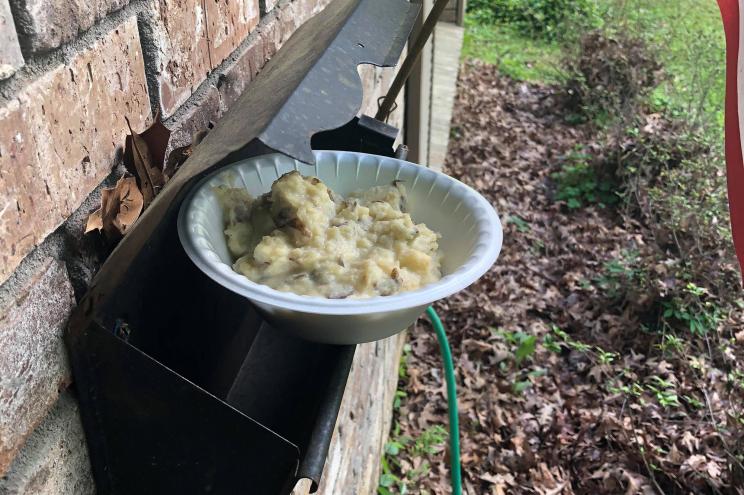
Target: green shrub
{"points": [[637, 154], [578, 185], [691, 47], [693, 308], [610, 75], [543, 18], [623, 277], [692, 200]]}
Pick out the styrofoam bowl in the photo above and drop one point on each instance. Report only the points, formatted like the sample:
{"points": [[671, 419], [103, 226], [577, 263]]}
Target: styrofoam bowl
{"points": [[470, 243]]}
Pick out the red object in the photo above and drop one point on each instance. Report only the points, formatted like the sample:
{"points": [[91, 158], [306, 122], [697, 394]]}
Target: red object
{"points": [[734, 164]]}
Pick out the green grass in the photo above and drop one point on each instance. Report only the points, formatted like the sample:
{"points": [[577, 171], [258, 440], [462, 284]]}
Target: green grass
{"points": [[690, 38], [688, 33], [517, 56]]}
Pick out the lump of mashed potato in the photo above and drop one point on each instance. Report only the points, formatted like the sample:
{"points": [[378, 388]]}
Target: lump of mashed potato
{"points": [[302, 237]]}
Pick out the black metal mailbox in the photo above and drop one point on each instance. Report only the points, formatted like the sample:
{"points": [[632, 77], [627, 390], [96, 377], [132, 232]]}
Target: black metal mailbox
{"points": [[183, 388]]}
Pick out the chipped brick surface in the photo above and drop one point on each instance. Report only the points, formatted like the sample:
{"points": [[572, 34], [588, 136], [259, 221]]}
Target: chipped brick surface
{"points": [[60, 136], [46, 24], [33, 362], [192, 37], [54, 460], [196, 118], [11, 58]]}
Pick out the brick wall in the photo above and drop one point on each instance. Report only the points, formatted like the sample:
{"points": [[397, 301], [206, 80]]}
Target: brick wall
{"points": [[70, 72]]}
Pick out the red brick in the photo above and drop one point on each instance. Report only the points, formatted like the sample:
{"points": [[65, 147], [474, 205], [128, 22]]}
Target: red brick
{"points": [[59, 137], [271, 36], [193, 37], [296, 13], [196, 119], [10, 51], [33, 363], [46, 24], [237, 76], [240, 74]]}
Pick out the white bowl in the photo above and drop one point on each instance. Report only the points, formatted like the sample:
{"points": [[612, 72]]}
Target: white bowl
{"points": [[470, 243]]}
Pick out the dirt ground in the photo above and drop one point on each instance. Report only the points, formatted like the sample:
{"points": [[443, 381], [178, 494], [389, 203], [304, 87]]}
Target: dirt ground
{"points": [[562, 387]]}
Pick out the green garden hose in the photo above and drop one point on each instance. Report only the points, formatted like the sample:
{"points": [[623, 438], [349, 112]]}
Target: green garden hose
{"points": [[454, 423]]}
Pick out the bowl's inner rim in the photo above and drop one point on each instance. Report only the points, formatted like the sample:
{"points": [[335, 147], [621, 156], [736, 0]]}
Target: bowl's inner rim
{"points": [[488, 225]]}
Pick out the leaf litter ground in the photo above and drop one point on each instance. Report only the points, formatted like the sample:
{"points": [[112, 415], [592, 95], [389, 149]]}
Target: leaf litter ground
{"points": [[562, 389]]}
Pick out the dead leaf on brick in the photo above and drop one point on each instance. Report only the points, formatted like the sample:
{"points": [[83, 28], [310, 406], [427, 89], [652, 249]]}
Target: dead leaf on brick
{"points": [[157, 137], [130, 204], [121, 205], [95, 221], [139, 160]]}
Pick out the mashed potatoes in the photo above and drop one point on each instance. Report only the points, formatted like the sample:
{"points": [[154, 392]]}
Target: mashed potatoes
{"points": [[301, 237]]}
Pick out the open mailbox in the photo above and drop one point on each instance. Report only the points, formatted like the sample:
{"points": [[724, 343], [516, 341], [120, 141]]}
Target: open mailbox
{"points": [[183, 388]]}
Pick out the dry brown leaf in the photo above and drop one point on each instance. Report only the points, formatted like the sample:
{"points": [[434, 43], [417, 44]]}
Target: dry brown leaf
{"points": [[131, 204], [109, 210], [121, 205], [695, 462], [157, 137], [494, 479], [139, 159], [690, 442], [95, 221]]}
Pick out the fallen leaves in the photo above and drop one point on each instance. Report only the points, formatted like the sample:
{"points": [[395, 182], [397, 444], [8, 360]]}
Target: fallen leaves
{"points": [[144, 156], [568, 431], [147, 173], [156, 137], [121, 205]]}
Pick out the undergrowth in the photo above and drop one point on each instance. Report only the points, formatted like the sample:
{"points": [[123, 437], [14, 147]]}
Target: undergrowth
{"points": [[546, 19], [405, 459], [646, 80], [579, 185]]}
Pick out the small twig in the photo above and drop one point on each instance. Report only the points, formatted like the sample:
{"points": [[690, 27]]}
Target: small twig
{"points": [[723, 440], [649, 469], [679, 245], [710, 351]]}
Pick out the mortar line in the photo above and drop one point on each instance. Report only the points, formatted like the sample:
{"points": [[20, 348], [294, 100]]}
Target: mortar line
{"points": [[41, 63], [200, 93]]}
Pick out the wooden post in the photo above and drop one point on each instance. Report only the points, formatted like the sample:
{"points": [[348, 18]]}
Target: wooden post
{"points": [[418, 101], [462, 5]]}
